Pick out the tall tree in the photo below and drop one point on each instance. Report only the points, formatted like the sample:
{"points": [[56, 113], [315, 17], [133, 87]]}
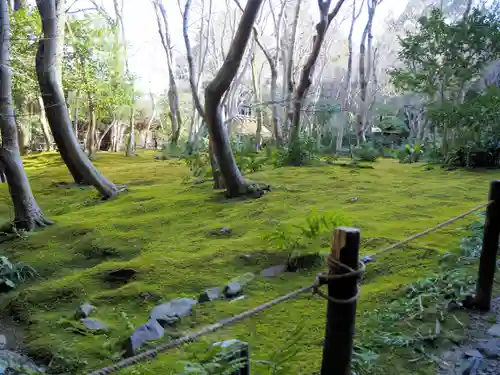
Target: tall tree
{"points": [[365, 70], [77, 162], [173, 95], [233, 179], [27, 213], [326, 18]]}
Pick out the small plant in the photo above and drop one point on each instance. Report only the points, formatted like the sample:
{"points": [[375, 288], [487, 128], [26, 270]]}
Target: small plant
{"points": [[366, 152], [470, 246], [198, 164], [13, 274], [363, 360], [297, 154], [215, 361], [408, 154]]}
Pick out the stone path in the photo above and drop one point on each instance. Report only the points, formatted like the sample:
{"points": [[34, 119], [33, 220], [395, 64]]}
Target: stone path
{"points": [[480, 353]]}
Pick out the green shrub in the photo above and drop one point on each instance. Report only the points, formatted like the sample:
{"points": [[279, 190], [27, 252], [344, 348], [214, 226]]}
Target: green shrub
{"points": [[198, 164], [13, 274], [366, 152], [408, 154], [297, 153]]}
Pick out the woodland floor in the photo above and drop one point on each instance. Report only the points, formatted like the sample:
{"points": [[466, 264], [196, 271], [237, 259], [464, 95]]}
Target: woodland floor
{"points": [[161, 228]]}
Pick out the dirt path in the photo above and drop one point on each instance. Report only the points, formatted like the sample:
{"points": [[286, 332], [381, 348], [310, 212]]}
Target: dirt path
{"points": [[480, 353]]}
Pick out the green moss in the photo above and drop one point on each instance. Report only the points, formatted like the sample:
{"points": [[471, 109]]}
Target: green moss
{"points": [[161, 228]]}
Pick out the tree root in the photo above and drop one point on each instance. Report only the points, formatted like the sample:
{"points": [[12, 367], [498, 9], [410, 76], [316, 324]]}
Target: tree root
{"points": [[30, 225], [250, 190]]}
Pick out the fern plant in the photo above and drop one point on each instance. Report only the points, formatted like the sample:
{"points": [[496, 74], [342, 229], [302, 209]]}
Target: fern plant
{"points": [[13, 274]]}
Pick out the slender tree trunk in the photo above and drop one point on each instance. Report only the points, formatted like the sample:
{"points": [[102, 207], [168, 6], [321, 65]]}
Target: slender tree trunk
{"points": [[27, 213], [173, 96], [106, 131], [306, 74], [256, 96], [45, 125], [153, 115], [131, 135], [288, 83], [91, 134], [75, 120], [55, 107], [233, 179]]}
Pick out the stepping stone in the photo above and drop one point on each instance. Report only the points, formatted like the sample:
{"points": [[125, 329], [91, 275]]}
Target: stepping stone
{"points": [[274, 271], [494, 330], [473, 353], [152, 330], [490, 348], [209, 295], [93, 324], [84, 311], [171, 312], [233, 289]]}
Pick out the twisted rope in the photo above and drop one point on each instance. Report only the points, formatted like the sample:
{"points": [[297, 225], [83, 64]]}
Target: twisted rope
{"points": [[433, 229], [321, 279], [196, 335]]}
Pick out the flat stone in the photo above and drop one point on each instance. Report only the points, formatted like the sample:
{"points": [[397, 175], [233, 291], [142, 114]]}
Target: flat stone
{"points": [[494, 330], [233, 289], [93, 324], [152, 330], [274, 271], [3, 341], [84, 310], [209, 295], [473, 353], [490, 348], [367, 259], [173, 311]]}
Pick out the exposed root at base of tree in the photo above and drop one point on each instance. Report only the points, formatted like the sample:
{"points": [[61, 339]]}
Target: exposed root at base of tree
{"points": [[29, 225], [119, 189], [249, 190]]}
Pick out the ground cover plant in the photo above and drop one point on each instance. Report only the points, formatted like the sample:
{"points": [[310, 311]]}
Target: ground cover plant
{"points": [[163, 229]]}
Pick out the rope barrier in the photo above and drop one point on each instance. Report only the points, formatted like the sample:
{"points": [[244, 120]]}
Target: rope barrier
{"points": [[321, 279], [433, 229]]}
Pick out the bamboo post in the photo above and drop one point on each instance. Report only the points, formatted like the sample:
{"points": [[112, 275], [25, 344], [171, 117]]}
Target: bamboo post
{"points": [[488, 259], [340, 317]]}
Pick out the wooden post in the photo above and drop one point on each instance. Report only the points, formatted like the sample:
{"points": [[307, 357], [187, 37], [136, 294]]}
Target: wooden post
{"points": [[340, 317], [488, 259]]}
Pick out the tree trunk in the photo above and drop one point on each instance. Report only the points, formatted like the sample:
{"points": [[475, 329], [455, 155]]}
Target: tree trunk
{"points": [[60, 34], [173, 96], [288, 84], [106, 131], [91, 134], [55, 107], [233, 179], [306, 74], [45, 125], [256, 96], [27, 213], [131, 135], [153, 115], [75, 120]]}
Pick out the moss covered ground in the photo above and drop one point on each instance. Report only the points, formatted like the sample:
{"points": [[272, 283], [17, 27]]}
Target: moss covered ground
{"points": [[161, 228]]}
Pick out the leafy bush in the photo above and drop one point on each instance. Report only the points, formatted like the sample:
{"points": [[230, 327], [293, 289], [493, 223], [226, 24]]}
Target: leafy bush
{"points": [[366, 152], [295, 239], [408, 154], [470, 246], [298, 153], [13, 274], [198, 164]]}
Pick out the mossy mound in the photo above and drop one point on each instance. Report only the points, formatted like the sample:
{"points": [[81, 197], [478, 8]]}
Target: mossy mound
{"points": [[161, 228]]}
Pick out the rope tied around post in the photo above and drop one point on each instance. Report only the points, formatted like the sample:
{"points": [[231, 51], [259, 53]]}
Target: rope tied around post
{"points": [[334, 267]]}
